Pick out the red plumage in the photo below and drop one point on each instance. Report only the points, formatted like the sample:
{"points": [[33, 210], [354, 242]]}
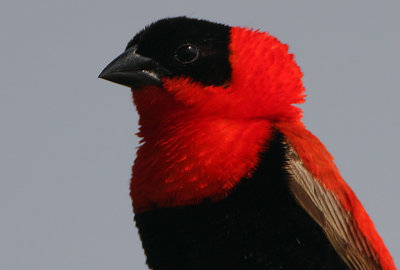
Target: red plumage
{"points": [[195, 129], [199, 141]]}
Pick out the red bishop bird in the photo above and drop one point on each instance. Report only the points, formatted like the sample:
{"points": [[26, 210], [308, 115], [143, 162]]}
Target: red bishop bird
{"points": [[227, 176]]}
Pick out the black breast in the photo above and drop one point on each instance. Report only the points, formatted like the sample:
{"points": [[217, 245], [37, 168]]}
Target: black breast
{"points": [[258, 226]]}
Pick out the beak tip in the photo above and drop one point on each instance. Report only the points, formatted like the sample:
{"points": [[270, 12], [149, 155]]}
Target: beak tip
{"points": [[103, 74]]}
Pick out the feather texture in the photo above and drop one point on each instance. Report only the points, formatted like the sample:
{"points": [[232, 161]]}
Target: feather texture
{"points": [[336, 222], [319, 187]]}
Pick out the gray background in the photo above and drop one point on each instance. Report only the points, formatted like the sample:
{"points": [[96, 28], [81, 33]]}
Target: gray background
{"points": [[67, 138]]}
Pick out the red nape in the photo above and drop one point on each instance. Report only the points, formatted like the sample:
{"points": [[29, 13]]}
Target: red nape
{"points": [[320, 164], [266, 73]]}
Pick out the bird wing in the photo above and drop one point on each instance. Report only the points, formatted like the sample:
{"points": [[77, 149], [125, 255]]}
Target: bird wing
{"points": [[325, 208], [320, 189]]}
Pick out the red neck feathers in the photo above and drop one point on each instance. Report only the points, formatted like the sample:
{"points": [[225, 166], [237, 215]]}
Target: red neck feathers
{"points": [[199, 141]]}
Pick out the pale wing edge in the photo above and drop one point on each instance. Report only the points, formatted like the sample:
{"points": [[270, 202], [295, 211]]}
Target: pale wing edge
{"points": [[324, 207]]}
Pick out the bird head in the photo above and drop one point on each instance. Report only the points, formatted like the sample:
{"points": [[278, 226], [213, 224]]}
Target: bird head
{"points": [[196, 68]]}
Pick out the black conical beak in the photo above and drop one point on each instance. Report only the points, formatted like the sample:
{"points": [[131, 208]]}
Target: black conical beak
{"points": [[133, 70]]}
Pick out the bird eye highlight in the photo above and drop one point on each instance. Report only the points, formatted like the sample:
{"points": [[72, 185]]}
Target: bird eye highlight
{"points": [[187, 53]]}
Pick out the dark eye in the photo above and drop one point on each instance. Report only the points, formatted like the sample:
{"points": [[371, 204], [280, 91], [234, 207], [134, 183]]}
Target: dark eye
{"points": [[187, 53]]}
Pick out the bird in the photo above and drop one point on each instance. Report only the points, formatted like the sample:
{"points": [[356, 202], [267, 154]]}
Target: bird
{"points": [[226, 175]]}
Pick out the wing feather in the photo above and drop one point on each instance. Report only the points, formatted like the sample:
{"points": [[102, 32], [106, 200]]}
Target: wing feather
{"points": [[324, 207]]}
